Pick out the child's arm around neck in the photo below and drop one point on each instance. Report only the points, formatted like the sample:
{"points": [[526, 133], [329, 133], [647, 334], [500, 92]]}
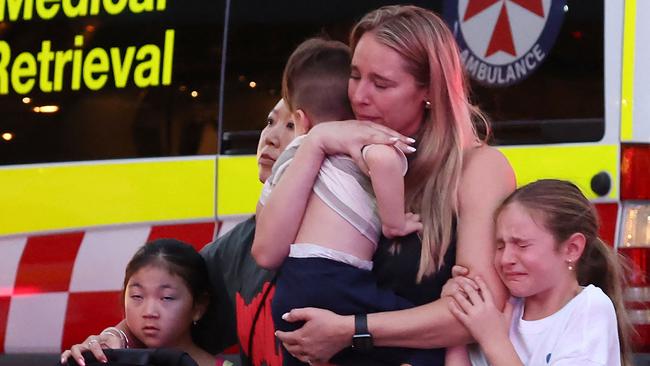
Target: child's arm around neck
{"points": [[387, 166]]}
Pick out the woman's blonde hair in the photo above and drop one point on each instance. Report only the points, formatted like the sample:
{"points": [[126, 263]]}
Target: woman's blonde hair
{"points": [[432, 57], [564, 211]]}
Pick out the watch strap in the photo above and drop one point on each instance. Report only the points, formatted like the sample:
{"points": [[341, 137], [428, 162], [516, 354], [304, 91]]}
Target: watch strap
{"points": [[361, 324], [362, 339]]}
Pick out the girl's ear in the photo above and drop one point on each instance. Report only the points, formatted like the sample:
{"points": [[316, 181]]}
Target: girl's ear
{"points": [[302, 121], [200, 307], [574, 246]]}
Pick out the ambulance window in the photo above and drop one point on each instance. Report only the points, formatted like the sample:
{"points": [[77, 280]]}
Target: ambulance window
{"points": [[262, 35], [562, 100], [127, 79]]}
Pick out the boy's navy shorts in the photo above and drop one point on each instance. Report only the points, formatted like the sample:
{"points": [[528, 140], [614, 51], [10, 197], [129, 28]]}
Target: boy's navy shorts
{"points": [[346, 290]]}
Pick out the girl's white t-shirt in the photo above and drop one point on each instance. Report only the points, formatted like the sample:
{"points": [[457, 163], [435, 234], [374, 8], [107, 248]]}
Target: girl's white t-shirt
{"points": [[583, 332]]}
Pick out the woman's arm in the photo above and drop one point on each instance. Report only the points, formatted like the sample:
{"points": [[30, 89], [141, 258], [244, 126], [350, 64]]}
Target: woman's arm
{"points": [[279, 220], [487, 179]]}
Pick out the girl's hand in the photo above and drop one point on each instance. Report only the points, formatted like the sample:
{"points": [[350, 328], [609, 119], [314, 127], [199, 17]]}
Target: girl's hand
{"points": [[95, 344], [455, 284], [349, 137], [322, 336], [476, 310], [458, 270]]}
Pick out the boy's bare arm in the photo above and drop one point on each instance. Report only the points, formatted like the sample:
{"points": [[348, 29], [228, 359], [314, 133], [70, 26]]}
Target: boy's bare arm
{"points": [[386, 168]]}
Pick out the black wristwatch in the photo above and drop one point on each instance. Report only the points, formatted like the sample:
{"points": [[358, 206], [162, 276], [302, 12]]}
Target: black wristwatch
{"points": [[362, 339]]}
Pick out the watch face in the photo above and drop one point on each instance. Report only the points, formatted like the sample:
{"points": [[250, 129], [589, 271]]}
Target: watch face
{"points": [[362, 342]]}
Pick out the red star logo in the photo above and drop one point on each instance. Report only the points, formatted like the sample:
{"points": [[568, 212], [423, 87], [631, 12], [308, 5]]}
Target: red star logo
{"points": [[501, 39]]}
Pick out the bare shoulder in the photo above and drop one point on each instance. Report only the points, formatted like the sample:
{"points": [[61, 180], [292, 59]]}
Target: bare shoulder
{"points": [[486, 172], [485, 158], [380, 151], [379, 154]]}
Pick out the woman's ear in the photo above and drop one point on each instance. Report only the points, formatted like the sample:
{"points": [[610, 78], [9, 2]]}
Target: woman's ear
{"points": [[574, 246], [302, 121]]}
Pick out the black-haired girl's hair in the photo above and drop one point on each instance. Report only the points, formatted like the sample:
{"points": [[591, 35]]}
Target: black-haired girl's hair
{"points": [[182, 260]]}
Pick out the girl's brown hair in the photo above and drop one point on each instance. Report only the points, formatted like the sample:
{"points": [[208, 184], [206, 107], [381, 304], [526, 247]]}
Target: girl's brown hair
{"points": [[564, 211]]}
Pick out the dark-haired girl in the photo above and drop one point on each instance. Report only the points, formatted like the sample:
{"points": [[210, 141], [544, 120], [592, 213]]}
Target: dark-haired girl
{"points": [[166, 293]]}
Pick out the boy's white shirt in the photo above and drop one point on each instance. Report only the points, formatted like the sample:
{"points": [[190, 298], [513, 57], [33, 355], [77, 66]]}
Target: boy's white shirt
{"points": [[583, 332], [297, 141]]}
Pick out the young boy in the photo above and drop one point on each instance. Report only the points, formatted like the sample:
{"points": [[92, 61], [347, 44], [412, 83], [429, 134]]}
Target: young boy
{"points": [[329, 265]]}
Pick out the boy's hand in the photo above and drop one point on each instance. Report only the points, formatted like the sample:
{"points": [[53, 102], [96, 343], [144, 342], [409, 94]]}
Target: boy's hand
{"points": [[412, 224]]}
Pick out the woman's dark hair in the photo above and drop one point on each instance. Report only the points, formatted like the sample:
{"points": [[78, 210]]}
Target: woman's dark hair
{"points": [[564, 211], [182, 260]]}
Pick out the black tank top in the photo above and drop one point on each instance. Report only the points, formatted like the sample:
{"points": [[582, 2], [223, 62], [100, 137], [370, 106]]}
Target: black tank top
{"points": [[399, 271]]}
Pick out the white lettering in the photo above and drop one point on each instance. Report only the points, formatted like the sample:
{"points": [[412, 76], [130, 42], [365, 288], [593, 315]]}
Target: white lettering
{"points": [[539, 54], [510, 74], [530, 61], [520, 68], [482, 70], [472, 65]]}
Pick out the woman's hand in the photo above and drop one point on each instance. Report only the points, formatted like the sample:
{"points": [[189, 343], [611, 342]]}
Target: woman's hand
{"points": [[349, 137], [322, 336], [475, 308], [95, 344]]}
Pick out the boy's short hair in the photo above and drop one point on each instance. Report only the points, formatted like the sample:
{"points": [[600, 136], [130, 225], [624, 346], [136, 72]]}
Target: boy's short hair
{"points": [[316, 78]]}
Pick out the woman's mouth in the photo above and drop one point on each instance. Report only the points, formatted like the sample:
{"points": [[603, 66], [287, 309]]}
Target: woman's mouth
{"points": [[266, 159], [363, 117]]}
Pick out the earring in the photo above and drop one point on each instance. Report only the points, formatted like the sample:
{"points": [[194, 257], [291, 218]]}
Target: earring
{"points": [[194, 322], [427, 104], [570, 265]]}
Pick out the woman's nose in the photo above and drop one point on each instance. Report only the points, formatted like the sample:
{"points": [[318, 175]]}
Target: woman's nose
{"points": [[271, 137], [359, 92]]}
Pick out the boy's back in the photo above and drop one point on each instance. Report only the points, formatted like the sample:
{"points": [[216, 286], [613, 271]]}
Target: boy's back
{"points": [[342, 212]]}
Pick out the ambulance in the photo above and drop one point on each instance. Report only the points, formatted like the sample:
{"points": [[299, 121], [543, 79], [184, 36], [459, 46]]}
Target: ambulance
{"points": [[128, 120]]}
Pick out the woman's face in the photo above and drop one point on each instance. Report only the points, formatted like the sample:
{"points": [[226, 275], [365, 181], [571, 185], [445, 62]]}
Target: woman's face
{"points": [[277, 134], [159, 308], [381, 90], [527, 258]]}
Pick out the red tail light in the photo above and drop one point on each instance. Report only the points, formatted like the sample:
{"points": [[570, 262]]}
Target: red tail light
{"points": [[637, 296], [634, 238], [608, 213], [635, 172], [640, 261]]}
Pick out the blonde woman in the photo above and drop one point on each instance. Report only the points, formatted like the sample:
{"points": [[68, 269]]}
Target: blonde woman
{"points": [[406, 81]]}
